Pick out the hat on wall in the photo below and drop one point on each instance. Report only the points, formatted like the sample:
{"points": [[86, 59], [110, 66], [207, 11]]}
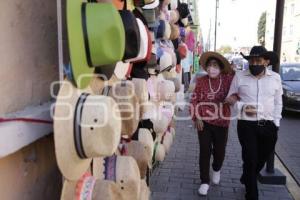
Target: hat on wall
{"points": [[183, 10], [151, 4], [124, 95], [121, 180], [167, 32], [166, 89], [119, 4], [89, 45], [165, 62], [174, 16], [159, 152], [122, 69], [141, 90], [208, 55], [141, 153], [173, 4], [132, 34], [144, 41], [85, 126], [260, 51]]}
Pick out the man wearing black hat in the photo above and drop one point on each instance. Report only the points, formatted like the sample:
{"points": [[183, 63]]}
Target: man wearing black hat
{"points": [[259, 112]]}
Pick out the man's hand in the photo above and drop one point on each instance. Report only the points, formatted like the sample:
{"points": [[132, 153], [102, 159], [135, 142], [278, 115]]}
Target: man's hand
{"points": [[199, 125], [250, 110], [231, 100]]}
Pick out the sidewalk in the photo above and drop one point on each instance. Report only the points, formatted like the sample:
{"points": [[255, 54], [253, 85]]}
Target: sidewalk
{"points": [[177, 178]]}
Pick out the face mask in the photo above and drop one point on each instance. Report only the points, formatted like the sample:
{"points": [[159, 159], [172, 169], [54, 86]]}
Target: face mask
{"points": [[213, 72], [256, 69]]}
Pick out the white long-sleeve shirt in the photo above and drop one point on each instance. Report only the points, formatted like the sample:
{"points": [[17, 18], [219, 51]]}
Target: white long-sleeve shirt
{"points": [[264, 93]]}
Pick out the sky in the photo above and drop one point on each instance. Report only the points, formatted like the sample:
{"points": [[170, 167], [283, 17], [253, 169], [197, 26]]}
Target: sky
{"points": [[238, 20]]}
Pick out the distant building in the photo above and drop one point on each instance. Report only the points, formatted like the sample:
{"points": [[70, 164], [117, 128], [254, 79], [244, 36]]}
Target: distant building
{"points": [[290, 49]]}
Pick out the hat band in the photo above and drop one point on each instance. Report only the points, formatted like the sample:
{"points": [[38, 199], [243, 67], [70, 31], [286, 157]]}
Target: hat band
{"points": [[110, 168], [85, 35], [77, 126], [106, 90]]}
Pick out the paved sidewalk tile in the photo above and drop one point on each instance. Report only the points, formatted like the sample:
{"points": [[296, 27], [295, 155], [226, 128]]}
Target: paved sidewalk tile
{"points": [[177, 178]]}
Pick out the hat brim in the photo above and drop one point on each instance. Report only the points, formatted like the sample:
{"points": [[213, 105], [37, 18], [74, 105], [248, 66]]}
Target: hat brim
{"points": [[269, 55], [151, 5], [82, 73], [210, 54], [69, 163]]}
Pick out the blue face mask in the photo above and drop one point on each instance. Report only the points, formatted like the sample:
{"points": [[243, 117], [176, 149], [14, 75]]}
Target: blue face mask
{"points": [[256, 69]]}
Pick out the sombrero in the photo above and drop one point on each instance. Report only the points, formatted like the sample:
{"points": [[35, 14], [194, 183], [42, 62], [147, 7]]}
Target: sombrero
{"points": [[205, 56], [85, 126], [121, 181], [260, 51], [89, 45]]}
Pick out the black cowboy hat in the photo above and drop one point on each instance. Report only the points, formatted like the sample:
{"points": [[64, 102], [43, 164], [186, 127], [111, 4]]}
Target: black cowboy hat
{"points": [[260, 51]]}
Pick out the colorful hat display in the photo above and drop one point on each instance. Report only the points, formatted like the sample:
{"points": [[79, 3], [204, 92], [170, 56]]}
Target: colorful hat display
{"points": [[132, 34], [165, 62], [85, 126], [86, 42], [141, 90], [166, 89]]}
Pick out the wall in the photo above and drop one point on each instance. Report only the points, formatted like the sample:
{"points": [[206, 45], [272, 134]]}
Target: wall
{"points": [[31, 173], [28, 66], [28, 52]]}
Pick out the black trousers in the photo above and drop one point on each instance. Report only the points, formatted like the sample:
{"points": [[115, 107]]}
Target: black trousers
{"points": [[212, 140], [258, 142]]}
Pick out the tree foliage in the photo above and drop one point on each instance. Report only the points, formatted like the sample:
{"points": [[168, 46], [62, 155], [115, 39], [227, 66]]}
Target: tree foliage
{"points": [[261, 29]]}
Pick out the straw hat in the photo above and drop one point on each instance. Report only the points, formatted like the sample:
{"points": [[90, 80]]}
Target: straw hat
{"points": [[141, 153], [159, 152], [174, 16], [174, 32], [122, 181], [141, 90], [160, 121], [145, 137], [85, 53], [176, 82], [167, 141], [166, 89], [85, 126], [205, 56], [124, 95], [145, 191]]}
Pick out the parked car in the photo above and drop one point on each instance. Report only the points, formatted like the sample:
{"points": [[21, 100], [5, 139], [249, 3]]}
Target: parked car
{"points": [[290, 75]]}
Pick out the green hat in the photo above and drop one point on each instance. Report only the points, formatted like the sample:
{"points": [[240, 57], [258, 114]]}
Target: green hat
{"points": [[96, 37]]}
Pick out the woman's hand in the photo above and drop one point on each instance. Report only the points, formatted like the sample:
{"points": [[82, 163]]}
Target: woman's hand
{"points": [[232, 99], [199, 125]]}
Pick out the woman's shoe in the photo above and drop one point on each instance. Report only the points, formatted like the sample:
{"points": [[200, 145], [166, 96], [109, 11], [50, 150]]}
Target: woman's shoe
{"points": [[203, 189], [216, 176]]}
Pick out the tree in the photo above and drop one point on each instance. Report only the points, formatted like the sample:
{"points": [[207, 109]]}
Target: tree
{"points": [[261, 29], [225, 49]]}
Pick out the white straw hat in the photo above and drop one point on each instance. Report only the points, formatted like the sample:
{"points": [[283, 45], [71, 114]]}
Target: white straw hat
{"points": [[85, 126]]}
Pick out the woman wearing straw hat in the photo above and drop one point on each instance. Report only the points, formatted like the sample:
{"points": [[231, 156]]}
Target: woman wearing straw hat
{"points": [[211, 115]]}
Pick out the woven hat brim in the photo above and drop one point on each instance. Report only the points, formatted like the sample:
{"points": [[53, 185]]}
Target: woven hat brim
{"points": [[69, 163], [210, 54]]}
